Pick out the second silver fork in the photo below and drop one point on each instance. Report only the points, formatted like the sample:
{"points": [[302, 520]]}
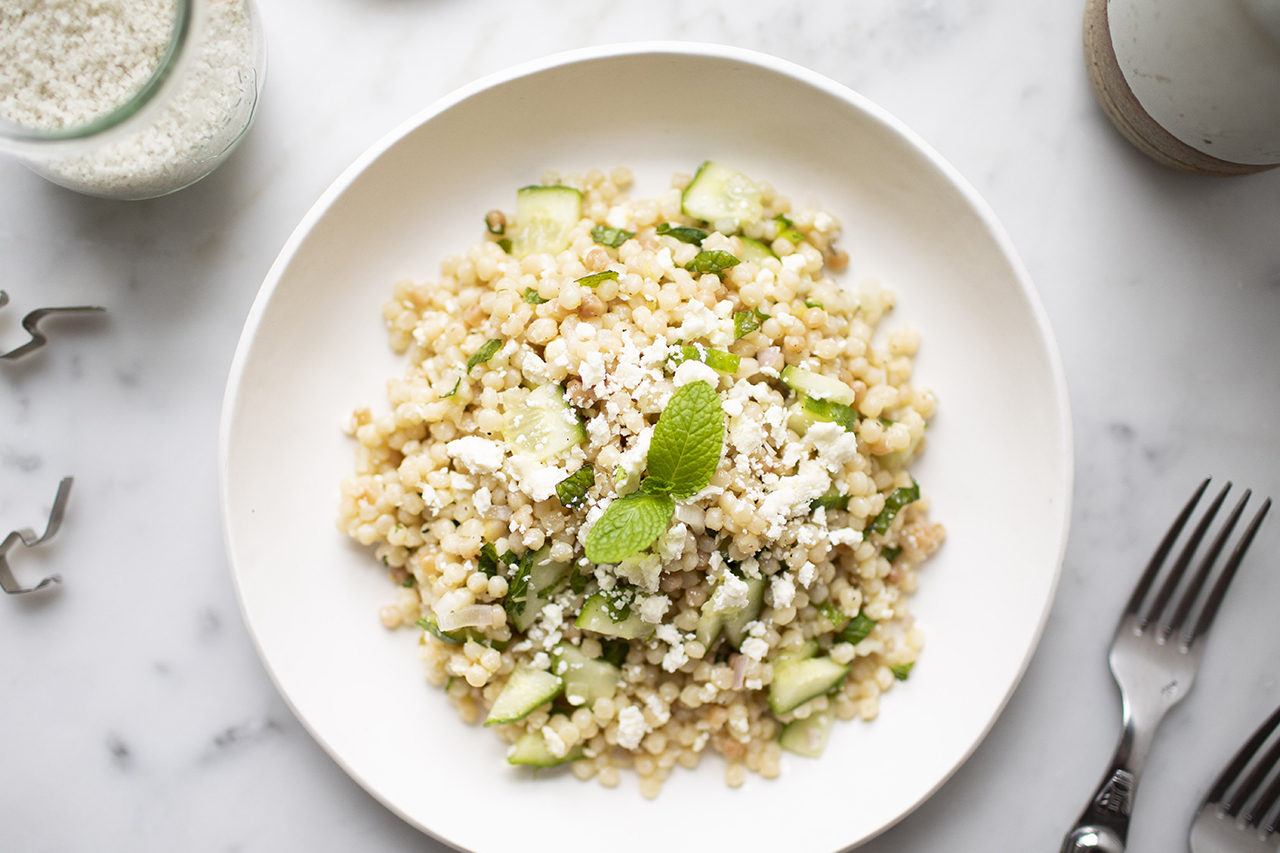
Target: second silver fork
{"points": [[1154, 661]]}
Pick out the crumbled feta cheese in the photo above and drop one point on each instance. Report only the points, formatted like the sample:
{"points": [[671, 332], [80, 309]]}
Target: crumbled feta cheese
{"points": [[693, 371], [654, 608], [835, 446], [792, 495], [731, 594], [806, 573], [784, 591], [460, 482], [795, 262], [476, 454], [540, 661], [632, 462], [643, 570], [598, 430], [483, 500], [631, 727], [555, 745], [671, 544], [659, 709], [845, 536], [746, 435], [617, 216], [591, 368], [755, 648]]}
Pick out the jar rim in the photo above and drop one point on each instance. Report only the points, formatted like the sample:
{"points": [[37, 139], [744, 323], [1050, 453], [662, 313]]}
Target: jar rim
{"points": [[179, 37]]}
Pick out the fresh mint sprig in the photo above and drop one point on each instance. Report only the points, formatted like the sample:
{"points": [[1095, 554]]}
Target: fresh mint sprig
{"points": [[683, 455]]}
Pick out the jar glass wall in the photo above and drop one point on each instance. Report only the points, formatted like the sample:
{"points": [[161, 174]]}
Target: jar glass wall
{"points": [[178, 124]]}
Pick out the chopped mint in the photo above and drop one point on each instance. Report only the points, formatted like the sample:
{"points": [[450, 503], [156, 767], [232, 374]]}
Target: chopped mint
{"points": [[429, 625], [495, 222], [505, 245], [617, 603], [683, 233], [720, 360], [829, 410], [890, 554], [833, 615], [892, 504], [787, 229], [487, 351], [611, 237], [744, 323], [687, 440], [456, 386], [857, 630], [628, 526], [715, 261], [531, 296], [490, 562], [572, 490], [408, 582], [902, 670], [596, 278], [518, 587], [578, 580], [830, 500], [812, 303], [615, 651]]}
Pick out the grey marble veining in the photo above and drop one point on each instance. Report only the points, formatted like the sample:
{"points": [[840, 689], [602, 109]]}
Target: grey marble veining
{"points": [[135, 713]]}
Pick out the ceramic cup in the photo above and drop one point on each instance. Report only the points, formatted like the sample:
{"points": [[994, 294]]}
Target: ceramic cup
{"points": [[1194, 84]]}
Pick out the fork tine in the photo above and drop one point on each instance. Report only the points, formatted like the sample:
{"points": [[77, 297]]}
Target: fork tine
{"points": [[1241, 758], [1268, 799], [1162, 551], [1206, 564], [1228, 572], [1253, 780], [1184, 558]]}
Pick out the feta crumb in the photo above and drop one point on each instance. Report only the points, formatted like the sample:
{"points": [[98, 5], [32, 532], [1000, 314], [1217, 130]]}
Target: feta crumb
{"points": [[591, 369], [540, 661], [483, 500], [479, 455], [658, 708], [631, 727], [632, 461], [784, 591], [654, 608], [732, 594], [806, 573], [755, 648], [643, 570], [845, 536], [693, 371], [555, 745]]}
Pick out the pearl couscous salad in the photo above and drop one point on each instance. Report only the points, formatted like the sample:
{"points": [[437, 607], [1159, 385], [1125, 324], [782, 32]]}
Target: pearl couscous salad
{"points": [[644, 482]]}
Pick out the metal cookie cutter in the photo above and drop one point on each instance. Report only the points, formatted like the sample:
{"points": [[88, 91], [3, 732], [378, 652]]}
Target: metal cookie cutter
{"points": [[28, 538], [31, 324]]}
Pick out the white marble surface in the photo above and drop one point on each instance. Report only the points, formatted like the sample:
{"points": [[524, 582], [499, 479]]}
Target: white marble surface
{"points": [[134, 714]]}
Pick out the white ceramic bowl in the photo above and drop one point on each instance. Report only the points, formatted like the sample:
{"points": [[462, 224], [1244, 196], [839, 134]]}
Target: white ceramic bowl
{"points": [[998, 465]]}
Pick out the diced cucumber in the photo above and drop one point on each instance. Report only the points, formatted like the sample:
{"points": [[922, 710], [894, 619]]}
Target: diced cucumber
{"points": [[595, 617], [544, 576], [754, 251], [816, 385], [797, 680], [895, 460], [543, 424], [807, 737], [531, 751], [718, 193], [804, 651], [545, 216], [731, 621], [585, 679], [526, 690]]}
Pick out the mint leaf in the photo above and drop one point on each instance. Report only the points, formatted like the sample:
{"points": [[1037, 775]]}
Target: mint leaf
{"points": [[611, 237], [531, 296], [683, 233], [787, 229], [628, 526], [687, 441], [716, 261], [487, 351], [596, 278], [489, 560], [517, 596], [456, 386], [890, 554], [505, 245], [744, 323], [902, 670], [857, 630], [892, 504], [812, 303], [572, 490], [833, 615], [831, 500], [826, 410]]}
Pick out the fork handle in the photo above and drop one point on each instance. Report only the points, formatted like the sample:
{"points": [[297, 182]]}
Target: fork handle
{"points": [[1103, 827]]}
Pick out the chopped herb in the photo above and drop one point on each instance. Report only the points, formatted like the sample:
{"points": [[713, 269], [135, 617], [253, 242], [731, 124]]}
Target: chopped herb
{"points": [[902, 670], [505, 245], [572, 490], [858, 629], [894, 503], [496, 222], [456, 386], [408, 582], [720, 360], [518, 587], [715, 261], [890, 554], [490, 562], [617, 603], [788, 230], [578, 581], [833, 615], [487, 351], [830, 500], [812, 303], [629, 525], [683, 233], [614, 651], [829, 410], [596, 278], [531, 296], [886, 421], [744, 323], [611, 237], [429, 625]]}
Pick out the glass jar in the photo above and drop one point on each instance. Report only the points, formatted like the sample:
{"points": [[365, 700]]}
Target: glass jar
{"points": [[177, 126]]}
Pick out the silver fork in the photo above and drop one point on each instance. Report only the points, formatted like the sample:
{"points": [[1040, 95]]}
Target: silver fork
{"points": [[1154, 661], [1234, 824]]}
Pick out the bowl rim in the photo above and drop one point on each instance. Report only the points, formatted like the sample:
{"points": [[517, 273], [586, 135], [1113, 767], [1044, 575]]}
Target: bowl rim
{"points": [[784, 67]]}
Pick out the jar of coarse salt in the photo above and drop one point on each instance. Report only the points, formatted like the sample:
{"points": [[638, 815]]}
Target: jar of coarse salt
{"points": [[127, 99]]}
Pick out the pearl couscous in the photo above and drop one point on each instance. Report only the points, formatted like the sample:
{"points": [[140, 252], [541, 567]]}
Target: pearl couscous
{"points": [[643, 483]]}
